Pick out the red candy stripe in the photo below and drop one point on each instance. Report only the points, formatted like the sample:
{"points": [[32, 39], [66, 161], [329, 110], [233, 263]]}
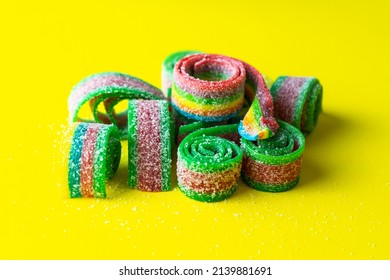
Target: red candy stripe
{"points": [[87, 161], [217, 63], [271, 174], [149, 146]]}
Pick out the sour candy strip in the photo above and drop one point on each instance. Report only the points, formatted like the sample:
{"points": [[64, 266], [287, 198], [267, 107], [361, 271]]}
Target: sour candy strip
{"points": [[209, 87], [109, 88], [274, 164], [298, 101], [94, 157], [208, 166], [150, 144]]}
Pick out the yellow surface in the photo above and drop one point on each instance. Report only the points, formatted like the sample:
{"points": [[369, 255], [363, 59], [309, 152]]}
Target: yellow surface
{"points": [[339, 210]]}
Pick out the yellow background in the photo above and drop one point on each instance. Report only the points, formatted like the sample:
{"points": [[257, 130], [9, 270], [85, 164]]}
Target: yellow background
{"points": [[339, 210]]}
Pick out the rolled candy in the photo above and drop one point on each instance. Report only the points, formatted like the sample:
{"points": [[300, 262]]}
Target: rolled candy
{"points": [[298, 101], [150, 145], [109, 88], [209, 87], [208, 166], [167, 70], [94, 158], [274, 164]]}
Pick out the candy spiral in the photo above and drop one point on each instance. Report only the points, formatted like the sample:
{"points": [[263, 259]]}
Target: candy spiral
{"points": [[150, 145], [109, 88], [274, 164], [209, 87], [94, 157], [208, 166], [298, 101]]}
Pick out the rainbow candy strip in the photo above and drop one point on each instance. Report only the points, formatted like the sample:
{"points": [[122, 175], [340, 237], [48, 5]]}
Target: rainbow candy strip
{"points": [[259, 122], [274, 164], [208, 166], [298, 101], [167, 70], [94, 157], [208, 88], [150, 144], [109, 88]]}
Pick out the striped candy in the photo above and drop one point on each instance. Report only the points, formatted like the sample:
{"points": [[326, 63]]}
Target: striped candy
{"points": [[109, 88], [167, 70], [93, 159], [274, 164], [298, 101], [150, 144], [208, 166], [209, 87], [259, 121]]}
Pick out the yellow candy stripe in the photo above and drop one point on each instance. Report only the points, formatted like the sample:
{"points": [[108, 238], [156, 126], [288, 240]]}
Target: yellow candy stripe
{"points": [[206, 109]]}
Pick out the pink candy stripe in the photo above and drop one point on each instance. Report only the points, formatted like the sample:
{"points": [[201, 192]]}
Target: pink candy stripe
{"points": [[108, 80], [87, 161], [149, 146], [186, 68], [286, 98]]}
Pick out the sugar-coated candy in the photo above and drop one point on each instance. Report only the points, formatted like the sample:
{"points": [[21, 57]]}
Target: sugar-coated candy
{"points": [[259, 121], [94, 157], [208, 166], [209, 87], [228, 132], [167, 70], [109, 88], [274, 164], [298, 101], [150, 144], [248, 99]]}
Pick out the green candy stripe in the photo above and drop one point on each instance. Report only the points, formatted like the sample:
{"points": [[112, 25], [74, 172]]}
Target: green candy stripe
{"points": [[280, 144], [204, 197], [314, 106], [202, 151], [207, 101], [106, 158], [184, 130], [132, 142], [74, 160], [284, 147], [166, 146], [270, 187]]}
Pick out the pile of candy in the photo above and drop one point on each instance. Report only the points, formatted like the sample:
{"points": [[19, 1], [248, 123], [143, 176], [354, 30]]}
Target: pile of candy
{"points": [[219, 111]]}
